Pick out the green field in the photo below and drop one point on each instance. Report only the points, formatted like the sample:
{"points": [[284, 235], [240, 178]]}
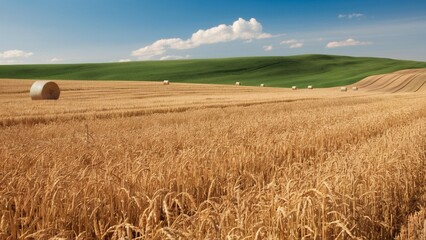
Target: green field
{"points": [[302, 70]]}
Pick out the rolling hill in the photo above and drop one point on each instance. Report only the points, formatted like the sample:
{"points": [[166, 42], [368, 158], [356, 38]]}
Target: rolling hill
{"points": [[301, 70]]}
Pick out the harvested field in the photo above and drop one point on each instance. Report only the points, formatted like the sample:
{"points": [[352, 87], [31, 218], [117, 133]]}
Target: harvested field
{"points": [[144, 160], [412, 80], [94, 99]]}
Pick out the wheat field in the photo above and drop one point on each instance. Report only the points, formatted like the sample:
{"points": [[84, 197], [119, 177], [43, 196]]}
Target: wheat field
{"points": [[133, 160]]}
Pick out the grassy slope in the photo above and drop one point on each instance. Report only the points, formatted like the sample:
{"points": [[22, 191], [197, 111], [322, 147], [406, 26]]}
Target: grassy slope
{"points": [[318, 70]]}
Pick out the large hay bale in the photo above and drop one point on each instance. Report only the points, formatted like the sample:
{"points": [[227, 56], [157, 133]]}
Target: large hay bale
{"points": [[310, 87], [354, 88], [294, 88], [166, 82], [238, 83], [262, 85], [343, 89], [41, 90]]}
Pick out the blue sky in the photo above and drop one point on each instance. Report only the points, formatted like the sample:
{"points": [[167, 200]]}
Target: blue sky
{"points": [[74, 31]]}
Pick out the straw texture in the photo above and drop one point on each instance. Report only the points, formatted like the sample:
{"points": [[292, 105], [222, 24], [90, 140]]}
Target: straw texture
{"points": [[41, 90]]}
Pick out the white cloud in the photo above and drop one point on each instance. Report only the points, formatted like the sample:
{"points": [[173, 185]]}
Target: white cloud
{"points": [[239, 30], [55, 59], [351, 15], [296, 45], [9, 62], [160, 47], [268, 48], [125, 60], [15, 54], [292, 43], [346, 43], [172, 57]]}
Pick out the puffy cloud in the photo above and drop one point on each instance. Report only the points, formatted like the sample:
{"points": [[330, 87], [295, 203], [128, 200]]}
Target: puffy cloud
{"points": [[292, 43], [268, 48], [125, 60], [351, 15], [239, 30], [172, 57], [346, 43], [55, 59], [296, 45], [160, 47], [15, 54]]}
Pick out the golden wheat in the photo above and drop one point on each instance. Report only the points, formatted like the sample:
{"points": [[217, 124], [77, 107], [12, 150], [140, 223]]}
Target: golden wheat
{"points": [[140, 161]]}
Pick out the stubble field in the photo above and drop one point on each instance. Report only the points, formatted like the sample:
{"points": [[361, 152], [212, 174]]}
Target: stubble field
{"points": [[135, 160]]}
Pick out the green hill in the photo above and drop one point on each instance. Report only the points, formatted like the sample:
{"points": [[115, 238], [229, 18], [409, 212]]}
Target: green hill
{"points": [[317, 70]]}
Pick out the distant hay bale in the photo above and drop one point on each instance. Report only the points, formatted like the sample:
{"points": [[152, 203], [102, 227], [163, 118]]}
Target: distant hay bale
{"points": [[294, 88], [310, 87], [166, 82], [343, 89], [41, 90], [262, 85], [238, 83], [354, 88]]}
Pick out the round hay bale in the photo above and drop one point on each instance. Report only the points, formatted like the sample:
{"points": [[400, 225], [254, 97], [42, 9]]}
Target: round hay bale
{"points": [[294, 88], [238, 83], [343, 89], [262, 85], [41, 90], [166, 82], [354, 88], [310, 87]]}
